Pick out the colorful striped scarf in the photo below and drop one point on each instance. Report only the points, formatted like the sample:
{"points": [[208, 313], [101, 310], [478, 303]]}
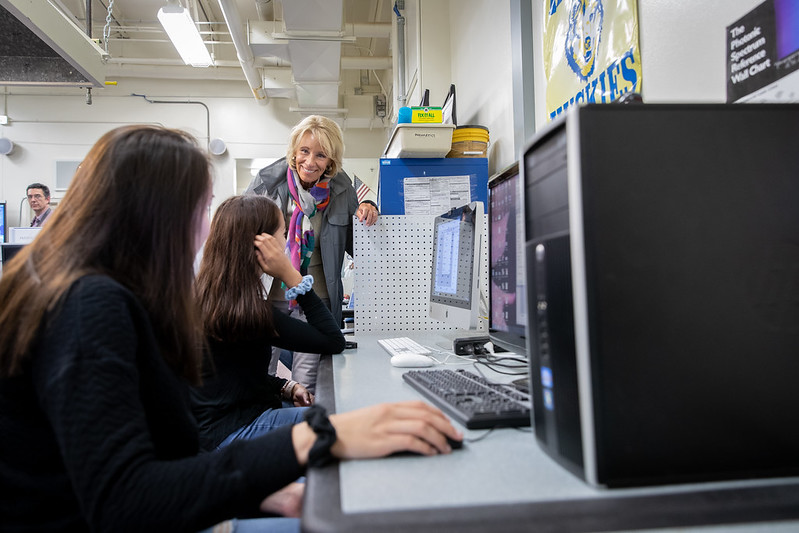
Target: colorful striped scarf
{"points": [[300, 239]]}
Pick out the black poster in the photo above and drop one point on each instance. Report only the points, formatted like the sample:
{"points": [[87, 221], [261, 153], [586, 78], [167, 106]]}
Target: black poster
{"points": [[762, 47]]}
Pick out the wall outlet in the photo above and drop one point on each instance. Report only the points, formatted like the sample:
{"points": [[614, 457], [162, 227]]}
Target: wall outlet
{"points": [[380, 105]]}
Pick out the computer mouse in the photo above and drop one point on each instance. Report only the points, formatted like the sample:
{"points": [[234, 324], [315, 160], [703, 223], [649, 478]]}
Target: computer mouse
{"points": [[454, 444], [410, 360]]}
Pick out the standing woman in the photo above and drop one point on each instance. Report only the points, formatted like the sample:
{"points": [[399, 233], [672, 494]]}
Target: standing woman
{"points": [[239, 399], [99, 341], [318, 202]]}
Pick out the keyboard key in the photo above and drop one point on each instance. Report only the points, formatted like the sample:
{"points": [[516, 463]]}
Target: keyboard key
{"points": [[402, 344]]}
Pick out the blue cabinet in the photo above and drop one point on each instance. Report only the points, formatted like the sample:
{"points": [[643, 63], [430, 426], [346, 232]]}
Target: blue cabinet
{"points": [[431, 186]]}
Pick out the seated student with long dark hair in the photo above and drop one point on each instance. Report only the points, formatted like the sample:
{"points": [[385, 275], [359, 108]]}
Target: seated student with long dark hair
{"points": [[99, 341], [239, 399]]}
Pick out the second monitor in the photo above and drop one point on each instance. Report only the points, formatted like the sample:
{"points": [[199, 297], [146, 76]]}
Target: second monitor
{"points": [[454, 284], [507, 317]]}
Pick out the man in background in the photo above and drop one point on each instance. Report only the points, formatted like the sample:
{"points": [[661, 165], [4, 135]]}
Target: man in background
{"points": [[39, 200]]}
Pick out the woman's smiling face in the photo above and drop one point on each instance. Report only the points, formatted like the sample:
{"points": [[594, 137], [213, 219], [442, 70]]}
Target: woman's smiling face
{"points": [[311, 160]]}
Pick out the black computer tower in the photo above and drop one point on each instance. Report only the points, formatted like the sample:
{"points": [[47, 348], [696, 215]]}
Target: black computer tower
{"points": [[662, 250]]}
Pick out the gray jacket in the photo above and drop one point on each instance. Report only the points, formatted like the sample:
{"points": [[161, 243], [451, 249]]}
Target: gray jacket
{"points": [[335, 234]]}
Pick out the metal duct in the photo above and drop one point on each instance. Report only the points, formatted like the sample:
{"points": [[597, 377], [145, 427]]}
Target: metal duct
{"points": [[370, 29], [236, 29], [365, 62], [45, 48], [265, 9]]}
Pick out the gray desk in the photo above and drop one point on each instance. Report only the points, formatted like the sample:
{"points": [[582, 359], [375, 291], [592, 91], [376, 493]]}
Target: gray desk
{"points": [[503, 482]]}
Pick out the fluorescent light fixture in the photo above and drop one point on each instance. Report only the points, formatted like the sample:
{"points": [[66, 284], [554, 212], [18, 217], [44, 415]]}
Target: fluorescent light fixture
{"points": [[184, 35]]}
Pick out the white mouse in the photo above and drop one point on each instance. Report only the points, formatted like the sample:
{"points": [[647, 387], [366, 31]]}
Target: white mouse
{"points": [[410, 360]]}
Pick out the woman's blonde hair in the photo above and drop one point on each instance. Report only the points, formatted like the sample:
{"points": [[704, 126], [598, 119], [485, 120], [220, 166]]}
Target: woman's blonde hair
{"points": [[329, 135]]}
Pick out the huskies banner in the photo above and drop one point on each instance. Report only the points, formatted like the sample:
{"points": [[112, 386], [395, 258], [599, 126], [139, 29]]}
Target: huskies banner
{"points": [[591, 52]]}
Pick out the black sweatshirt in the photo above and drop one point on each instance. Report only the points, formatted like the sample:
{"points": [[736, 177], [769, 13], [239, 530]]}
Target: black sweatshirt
{"points": [[237, 386], [97, 433]]}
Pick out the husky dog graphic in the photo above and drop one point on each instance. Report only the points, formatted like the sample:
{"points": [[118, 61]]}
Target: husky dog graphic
{"points": [[582, 39]]}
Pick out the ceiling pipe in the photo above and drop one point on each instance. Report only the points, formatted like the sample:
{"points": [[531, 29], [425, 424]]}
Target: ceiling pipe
{"points": [[402, 98], [236, 29], [270, 62], [191, 102], [166, 72], [89, 33]]}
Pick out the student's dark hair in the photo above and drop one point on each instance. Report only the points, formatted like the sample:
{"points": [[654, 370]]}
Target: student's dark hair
{"points": [[45, 189], [229, 289], [130, 213]]}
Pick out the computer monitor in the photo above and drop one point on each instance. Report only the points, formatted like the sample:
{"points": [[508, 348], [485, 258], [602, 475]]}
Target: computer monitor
{"points": [[454, 284], [2, 222], [8, 251], [22, 234], [507, 296]]}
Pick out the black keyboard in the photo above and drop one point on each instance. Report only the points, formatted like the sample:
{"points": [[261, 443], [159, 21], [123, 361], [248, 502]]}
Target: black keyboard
{"points": [[472, 400]]}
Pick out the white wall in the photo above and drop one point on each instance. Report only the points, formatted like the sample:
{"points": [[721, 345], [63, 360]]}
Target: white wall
{"points": [[682, 50], [47, 125], [481, 71], [465, 42]]}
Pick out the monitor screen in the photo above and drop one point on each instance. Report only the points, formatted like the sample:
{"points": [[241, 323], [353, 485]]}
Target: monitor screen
{"points": [[9, 251], [2, 222], [507, 318], [454, 287]]}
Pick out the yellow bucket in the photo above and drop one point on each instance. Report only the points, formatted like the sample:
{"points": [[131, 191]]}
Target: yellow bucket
{"points": [[469, 141]]}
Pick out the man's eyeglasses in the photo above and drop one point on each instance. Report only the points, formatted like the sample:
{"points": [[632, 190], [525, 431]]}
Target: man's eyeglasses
{"points": [[35, 196]]}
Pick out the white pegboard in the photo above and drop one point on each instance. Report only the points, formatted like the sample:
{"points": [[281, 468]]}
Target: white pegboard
{"points": [[393, 260]]}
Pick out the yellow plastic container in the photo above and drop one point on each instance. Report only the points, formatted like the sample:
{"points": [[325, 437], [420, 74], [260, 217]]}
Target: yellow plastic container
{"points": [[469, 141]]}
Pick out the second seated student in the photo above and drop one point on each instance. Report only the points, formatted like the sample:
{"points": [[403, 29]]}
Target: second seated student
{"points": [[318, 202], [239, 399]]}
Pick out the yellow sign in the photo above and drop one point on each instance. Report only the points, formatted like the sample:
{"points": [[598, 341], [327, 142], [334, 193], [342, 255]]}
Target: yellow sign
{"points": [[426, 115], [591, 52]]}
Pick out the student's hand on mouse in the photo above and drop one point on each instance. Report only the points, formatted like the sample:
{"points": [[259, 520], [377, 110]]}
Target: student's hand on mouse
{"points": [[273, 260], [367, 213], [384, 429], [301, 396]]}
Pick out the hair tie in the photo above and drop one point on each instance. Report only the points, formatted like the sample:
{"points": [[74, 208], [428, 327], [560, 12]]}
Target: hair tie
{"points": [[301, 288], [320, 454]]}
